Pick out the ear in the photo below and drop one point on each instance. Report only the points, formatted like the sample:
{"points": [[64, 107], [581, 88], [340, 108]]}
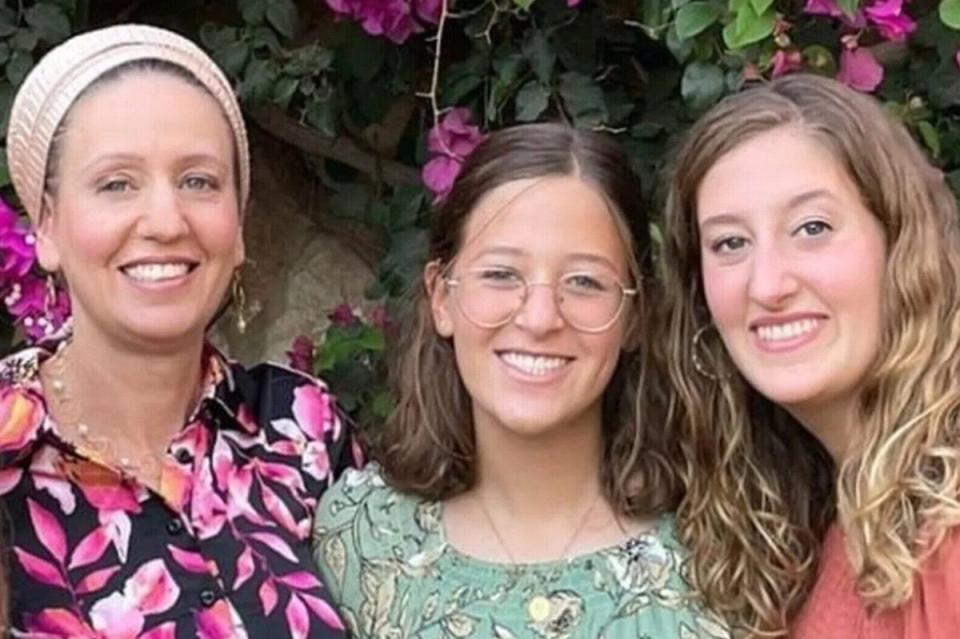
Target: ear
{"points": [[240, 250], [439, 297], [47, 253]]}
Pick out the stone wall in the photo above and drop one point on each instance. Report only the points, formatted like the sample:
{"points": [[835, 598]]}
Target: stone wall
{"points": [[301, 262]]}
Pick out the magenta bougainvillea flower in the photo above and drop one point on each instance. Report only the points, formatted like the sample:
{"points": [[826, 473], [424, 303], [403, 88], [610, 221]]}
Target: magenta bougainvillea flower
{"points": [[39, 312], [344, 315], [451, 142], [890, 20], [301, 354], [859, 69], [391, 19], [784, 61], [858, 66]]}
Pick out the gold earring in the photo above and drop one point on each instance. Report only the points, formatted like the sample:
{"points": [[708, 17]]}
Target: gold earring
{"points": [[698, 363], [240, 301], [50, 296]]}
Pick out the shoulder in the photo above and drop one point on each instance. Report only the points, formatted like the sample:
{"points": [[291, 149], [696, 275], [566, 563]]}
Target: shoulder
{"points": [[22, 409], [384, 508], [271, 392]]}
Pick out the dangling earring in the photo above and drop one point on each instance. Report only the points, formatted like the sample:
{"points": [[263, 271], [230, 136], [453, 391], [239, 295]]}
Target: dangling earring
{"points": [[50, 296], [698, 363], [240, 300]]}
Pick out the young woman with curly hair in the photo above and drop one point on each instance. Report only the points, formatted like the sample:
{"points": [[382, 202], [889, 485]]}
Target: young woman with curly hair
{"points": [[812, 282]]}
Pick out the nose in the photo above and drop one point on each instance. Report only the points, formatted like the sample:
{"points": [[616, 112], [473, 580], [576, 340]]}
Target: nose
{"points": [[540, 313], [162, 218], [773, 278]]}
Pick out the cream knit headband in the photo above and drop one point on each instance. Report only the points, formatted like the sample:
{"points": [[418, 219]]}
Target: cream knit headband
{"points": [[62, 75]]}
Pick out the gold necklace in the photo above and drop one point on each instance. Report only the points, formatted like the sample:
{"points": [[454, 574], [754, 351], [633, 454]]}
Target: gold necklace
{"points": [[539, 607], [70, 415]]}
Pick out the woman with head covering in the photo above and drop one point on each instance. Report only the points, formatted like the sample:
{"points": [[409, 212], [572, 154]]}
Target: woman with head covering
{"points": [[154, 488]]}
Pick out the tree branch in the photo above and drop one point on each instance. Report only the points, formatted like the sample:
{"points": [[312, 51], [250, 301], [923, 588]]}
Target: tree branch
{"points": [[279, 124]]}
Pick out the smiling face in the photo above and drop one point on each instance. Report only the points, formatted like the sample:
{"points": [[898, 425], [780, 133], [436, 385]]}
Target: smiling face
{"points": [[144, 224], [793, 266], [535, 373]]}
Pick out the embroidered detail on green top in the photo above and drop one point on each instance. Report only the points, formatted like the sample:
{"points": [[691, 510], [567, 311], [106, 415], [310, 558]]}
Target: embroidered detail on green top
{"points": [[393, 575]]}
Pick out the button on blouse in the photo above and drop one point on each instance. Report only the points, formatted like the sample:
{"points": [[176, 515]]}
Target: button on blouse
{"points": [[221, 549]]}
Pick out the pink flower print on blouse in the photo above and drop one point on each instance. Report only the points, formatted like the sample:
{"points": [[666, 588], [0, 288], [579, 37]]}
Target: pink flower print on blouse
{"points": [[151, 590]]}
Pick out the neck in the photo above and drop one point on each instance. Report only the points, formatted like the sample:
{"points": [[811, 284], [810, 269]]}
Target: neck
{"points": [[833, 423], [541, 477], [143, 396]]}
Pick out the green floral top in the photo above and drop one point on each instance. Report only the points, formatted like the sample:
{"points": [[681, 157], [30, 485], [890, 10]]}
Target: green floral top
{"points": [[393, 575]]}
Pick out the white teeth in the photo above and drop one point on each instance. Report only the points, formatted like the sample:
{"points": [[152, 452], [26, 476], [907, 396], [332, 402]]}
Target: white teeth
{"points": [[533, 364], [780, 332], [156, 272]]}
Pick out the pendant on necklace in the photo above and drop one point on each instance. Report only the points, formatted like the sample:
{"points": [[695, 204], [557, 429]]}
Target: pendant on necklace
{"points": [[538, 608]]}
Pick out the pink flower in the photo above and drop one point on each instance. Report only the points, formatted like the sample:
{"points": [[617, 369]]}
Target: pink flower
{"points": [[392, 19], [786, 61], [379, 317], [860, 70], [572, 3], [956, 58], [890, 20], [301, 354], [823, 8], [312, 411], [452, 140], [17, 245], [428, 10], [343, 315]]}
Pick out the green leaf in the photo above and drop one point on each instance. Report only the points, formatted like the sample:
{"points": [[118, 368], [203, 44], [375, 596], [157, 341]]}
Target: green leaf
{"points": [[695, 17], [6, 101], [702, 85], [283, 91], [583, 99], [252, 11], [532, 100], [681, 49], [213, 37], [930, 137], [322, 115], [540, 54], [8, 21], [523, 4], [282, 16], [258, 80], [233, 57], [50, 22], [24, 39], [748, 28], [4, 53], [849, 7], [19, 66], [654, 15], [363, 56], [950, 13], [760, 6]]}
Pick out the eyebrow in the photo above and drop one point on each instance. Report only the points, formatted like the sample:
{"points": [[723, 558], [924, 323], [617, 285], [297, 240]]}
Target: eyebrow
{"points": [[186, 160], [795, 201], [512, 251]]}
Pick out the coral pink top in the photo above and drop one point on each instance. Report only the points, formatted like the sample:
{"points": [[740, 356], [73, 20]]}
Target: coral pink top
{"points": [[835, 611]]}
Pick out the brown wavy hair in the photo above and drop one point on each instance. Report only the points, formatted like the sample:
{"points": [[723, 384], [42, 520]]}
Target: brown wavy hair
{"points": [[759, 487], [427, 447]]}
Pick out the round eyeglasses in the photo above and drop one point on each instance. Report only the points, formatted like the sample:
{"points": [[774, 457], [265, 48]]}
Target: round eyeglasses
{"points": [[492, 296]]}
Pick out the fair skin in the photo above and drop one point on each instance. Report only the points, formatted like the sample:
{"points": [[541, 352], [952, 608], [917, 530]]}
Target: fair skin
{"points": [[145, 228], [793, 266], [536, 383]]}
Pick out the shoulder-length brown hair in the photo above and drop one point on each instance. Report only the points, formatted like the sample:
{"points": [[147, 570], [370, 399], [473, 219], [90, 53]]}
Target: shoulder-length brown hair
{"points": [[759, 487], [427, 447]]}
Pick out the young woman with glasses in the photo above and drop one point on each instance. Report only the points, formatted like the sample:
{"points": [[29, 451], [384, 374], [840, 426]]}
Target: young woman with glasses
{"points": [[522, 488]]}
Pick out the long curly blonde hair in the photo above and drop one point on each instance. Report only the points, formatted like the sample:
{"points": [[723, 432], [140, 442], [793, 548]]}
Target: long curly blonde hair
{"points": [[760, 490]]}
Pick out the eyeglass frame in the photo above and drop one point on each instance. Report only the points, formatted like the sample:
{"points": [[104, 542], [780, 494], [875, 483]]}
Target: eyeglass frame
{"points": [[453, 281]]}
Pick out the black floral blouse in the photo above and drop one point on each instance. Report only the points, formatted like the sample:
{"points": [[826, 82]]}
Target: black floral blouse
{"points": [[221, 549]]}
